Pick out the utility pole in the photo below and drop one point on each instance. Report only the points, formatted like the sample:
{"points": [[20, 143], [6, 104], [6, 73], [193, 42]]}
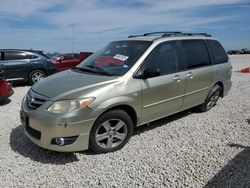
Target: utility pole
{"points": [[72, 38]]}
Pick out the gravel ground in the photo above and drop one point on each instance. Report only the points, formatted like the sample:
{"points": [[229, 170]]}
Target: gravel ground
{"points": [[190, 149]]}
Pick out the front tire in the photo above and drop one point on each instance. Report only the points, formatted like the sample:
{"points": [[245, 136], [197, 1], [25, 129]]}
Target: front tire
{"points": [[36, 75], [111, 131], [212, 98]]}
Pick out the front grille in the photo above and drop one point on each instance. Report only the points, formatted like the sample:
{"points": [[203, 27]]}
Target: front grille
{"points": [[34, 100], [34, 133]]}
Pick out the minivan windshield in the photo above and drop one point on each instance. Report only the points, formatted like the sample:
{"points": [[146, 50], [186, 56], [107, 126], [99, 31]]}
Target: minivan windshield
{"points": [[115, 59]]}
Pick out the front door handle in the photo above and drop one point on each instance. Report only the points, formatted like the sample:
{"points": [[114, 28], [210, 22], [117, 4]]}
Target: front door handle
{"points": [[177, 78], [190, 75]]}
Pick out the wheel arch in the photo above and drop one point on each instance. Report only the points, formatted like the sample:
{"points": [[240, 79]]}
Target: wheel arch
{"points": [[36, 69], [127, 108], [219, 83]]}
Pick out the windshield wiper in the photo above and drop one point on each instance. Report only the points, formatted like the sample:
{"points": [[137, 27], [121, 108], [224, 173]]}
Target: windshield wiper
{"points": [[100, 70]]}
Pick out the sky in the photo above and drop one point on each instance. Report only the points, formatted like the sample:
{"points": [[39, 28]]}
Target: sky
{"points": [[86, 25]]}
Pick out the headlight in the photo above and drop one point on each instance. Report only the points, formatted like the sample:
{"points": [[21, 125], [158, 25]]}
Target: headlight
{"points": [[69, 105]]}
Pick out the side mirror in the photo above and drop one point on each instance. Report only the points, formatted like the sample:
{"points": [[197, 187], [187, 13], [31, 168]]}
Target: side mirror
{"points": [[148, 73], [58, 59]]}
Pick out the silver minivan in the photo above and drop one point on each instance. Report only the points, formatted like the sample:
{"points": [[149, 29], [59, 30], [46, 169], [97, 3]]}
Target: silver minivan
{"points": [[125, 84]]}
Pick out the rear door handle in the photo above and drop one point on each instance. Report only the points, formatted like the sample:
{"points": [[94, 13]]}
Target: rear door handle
{"points": [[190, 75], [177, 78]]}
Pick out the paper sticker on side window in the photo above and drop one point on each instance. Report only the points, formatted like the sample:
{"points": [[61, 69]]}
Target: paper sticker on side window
{"points": [[121, 57]]}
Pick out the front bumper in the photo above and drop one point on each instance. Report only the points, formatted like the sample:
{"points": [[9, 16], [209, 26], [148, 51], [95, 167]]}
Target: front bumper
{"points": [[42, 128]]}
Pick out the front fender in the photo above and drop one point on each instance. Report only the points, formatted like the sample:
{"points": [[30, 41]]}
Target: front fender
{"points": [[116, 101], [134, 103]]}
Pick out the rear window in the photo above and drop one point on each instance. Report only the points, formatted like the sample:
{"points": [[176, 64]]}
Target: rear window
{"points": [[196, 53], [218, 53]]}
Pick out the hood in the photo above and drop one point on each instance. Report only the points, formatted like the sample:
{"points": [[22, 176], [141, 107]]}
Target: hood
{"points": [[70, 84]]}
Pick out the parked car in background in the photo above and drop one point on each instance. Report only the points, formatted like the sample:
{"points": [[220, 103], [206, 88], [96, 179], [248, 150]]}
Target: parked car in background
{"points": [[233, 52], [244, 51], [68, 61], [126, 84], [25, 65], [5, 87]]}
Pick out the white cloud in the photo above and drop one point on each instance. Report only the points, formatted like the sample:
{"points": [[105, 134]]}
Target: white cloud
{"points": [[92, 20], [24, 8]]}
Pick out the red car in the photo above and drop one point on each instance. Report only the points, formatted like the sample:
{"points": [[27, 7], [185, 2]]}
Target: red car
{"points": [[68, 61], [105, 61], [5, 88]]}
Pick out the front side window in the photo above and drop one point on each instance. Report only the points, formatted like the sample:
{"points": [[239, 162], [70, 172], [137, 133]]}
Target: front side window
{"points": [[218, 53], [116, 58], [164, 57], [196, 53], [15, 55], [66, 57], [76, 56]]}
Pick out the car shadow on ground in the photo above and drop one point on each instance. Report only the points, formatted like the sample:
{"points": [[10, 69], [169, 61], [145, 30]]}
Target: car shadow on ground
{"points": [[152, 125], [4, 102], [236, 173], [19, 84], [22, 145]]}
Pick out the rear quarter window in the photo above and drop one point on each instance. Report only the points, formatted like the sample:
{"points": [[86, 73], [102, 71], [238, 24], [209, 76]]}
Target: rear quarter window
{"points": [[218, 53], [196, 53], [31, 56]]}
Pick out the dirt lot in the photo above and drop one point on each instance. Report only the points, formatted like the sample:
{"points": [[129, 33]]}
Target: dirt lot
{"points": [[190, 149]]}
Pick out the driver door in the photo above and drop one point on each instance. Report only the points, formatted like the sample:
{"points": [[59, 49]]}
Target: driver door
{"points": [[163, 95]]}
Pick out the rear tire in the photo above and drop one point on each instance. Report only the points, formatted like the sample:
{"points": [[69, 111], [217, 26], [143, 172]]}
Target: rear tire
{"points": [[111, 131], [36, 75], [212, 98]]}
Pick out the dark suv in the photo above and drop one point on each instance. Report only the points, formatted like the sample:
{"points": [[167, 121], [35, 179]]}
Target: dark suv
{"points": [[25, 65]]}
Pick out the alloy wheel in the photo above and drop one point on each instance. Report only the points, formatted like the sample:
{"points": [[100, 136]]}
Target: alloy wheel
{"points": [[111, 133], [37, 76], [214, 98]]}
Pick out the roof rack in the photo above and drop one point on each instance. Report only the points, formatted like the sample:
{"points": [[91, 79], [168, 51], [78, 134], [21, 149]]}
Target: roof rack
{"points": [[132, 36], [197, 34], [170, 34], [163, 33]]}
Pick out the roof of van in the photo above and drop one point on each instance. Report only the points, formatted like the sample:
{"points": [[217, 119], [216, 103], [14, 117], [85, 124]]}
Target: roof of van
{"points": [[169, 35]]}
